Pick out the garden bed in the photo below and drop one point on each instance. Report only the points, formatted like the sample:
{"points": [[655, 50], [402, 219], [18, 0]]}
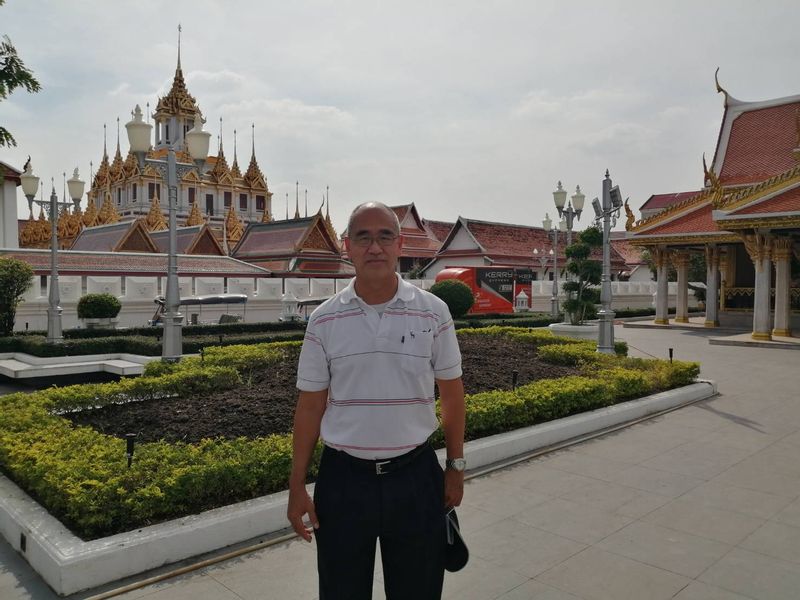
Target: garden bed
{"points": [[265, 404], [80, 475]]}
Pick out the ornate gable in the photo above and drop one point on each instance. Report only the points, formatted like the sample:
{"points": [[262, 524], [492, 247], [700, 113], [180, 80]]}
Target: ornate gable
{"points": [[155, 218], [137, 239], [317, 238]]}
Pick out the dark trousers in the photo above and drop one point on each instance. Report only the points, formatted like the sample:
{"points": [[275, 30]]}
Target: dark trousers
{"points": [[403, 509]]}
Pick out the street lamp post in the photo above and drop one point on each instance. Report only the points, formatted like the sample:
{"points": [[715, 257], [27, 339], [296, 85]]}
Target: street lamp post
{"points": [[552, 232], [569, 214], [75, 185], [607, 212], [197, 141]]}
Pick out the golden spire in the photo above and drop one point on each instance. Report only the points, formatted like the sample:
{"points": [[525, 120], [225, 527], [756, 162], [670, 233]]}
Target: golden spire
{"points": [[296, 199], [221, 166], [266, 217], [90, 216], [108, 212], [235, 166], [194, 218], [233, 226], [27, 234], [254, 177], [178, 101], [155, 219], [61, 224]]}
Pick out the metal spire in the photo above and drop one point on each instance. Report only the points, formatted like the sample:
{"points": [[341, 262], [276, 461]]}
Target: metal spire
{"points": [[179, 46], [287, 206], [296, 199], [328, 202], [234, 145], [306, 203], [117, 134], [105, 152]]}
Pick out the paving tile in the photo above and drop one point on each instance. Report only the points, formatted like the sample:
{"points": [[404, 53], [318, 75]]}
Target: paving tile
{"points": [[598, 575], [523, 548], [702, 591], [33, 588], [537, 477], [480, 580], [583, 464], [761, 479], [775, 539], [534, 590], [498, 498], [789, 514], [701, 459], [471, 519], [754, 575], [713, 523], [656, 481], [188, 588], [668, 549], [573, 521], [737, 499], [616, 498], [631, 446]]}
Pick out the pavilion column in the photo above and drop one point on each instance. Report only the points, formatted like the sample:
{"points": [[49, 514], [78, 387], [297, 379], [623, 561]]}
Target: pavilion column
{"points": [[712, 286], [781, 256], [680, 261], [759, 246], [662, 289]]}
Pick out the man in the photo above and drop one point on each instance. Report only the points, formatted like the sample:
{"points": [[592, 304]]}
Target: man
{"points": [[366, 379]]}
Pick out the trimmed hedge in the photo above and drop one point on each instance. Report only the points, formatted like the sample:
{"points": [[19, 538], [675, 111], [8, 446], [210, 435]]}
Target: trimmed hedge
{"points": [[80, 474]]}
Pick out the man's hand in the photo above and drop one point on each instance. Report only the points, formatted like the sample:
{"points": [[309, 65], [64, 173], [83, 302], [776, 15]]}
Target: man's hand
{"points": [[453, 487], [300, 504]]}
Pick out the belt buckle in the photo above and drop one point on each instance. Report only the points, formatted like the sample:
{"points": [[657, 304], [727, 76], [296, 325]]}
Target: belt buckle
{"points": [[379, 467]]}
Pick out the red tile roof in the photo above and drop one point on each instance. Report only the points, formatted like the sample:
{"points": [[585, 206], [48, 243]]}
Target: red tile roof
{"points": [[71, 262], [102, 238], [760, 144], [788, 201], [697, 220], [185, 237], [632, 255], [277, 237], [659, 201], [440, 229]]}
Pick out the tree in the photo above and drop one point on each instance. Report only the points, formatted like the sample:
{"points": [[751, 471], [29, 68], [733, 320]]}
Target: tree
{"points": [[15, 278], [586, 272], [13, 74], [456, 294]]}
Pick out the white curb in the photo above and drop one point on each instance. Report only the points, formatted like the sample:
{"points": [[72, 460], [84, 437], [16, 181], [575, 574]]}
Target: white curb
{"points": [[68, 564]]}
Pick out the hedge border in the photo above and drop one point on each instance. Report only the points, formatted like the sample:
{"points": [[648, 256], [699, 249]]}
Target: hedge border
{"points": [[80, 475]]}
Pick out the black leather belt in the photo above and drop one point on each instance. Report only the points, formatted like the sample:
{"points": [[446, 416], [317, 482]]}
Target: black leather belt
{"points": [[386, 465]]}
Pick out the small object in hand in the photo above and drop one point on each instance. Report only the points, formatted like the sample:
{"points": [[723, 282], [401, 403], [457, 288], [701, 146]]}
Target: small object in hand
{"points": [[456, 554]]}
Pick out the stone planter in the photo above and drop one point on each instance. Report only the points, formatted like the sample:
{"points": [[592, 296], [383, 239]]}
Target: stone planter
{"points": [[586, 331], [100, 323]]}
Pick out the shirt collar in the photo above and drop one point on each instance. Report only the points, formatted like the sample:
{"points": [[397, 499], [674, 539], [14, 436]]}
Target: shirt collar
{"points": [[405, 291]]}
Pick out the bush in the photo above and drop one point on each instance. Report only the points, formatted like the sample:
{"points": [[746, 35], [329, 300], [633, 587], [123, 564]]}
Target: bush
{"points": [[456, 294], [15, 279], [98, 306]]}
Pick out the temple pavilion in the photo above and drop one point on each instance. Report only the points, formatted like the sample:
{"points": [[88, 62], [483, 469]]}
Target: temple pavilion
{"points": [[745, 221]]}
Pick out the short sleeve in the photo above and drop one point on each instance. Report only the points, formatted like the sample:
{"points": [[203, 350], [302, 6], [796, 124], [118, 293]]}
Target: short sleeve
{"points": [[446, 357], [313, 374]]}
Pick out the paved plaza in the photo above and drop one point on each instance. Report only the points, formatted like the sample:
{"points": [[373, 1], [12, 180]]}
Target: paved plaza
{"points": [[699, 504]]}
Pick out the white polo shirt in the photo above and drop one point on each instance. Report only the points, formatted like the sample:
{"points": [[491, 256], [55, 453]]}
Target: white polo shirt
{"points": [[379, 370]]}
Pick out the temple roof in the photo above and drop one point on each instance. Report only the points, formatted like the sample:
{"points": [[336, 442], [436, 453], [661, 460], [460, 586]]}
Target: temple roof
{"points": [[661, 201], [632, 255], [286, 238], [178, 101], [756, 140], [440, 229], [198, 239], [125, 236], [71, 262]]}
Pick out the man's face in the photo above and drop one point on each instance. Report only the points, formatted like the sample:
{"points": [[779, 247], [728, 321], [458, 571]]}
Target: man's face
{"points": [[373, 260]]}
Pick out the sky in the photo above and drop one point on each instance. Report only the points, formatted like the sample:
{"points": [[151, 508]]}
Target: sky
{"points": [[472, 109]]}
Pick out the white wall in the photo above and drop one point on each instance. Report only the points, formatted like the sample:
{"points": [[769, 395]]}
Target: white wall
{"points": [[9, 232]]}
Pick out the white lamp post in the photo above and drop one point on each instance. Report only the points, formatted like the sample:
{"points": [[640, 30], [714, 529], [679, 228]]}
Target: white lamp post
{"points": [[30, 185], [607, 212], [55, 331], [75, 185], [547, 225], [197, 141]]}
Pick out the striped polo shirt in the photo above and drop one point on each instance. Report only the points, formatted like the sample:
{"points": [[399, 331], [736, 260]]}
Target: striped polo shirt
{"points": [[379, 369]]}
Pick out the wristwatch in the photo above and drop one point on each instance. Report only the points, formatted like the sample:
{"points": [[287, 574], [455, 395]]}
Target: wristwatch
{"points": [[456, 464]]}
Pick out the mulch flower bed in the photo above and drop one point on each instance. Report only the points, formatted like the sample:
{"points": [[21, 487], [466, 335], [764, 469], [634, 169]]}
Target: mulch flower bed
{"points": [[266, 406]]}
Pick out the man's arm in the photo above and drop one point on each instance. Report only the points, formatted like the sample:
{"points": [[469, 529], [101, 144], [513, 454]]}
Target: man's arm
{"points": [[307, 419], [451, 395]]}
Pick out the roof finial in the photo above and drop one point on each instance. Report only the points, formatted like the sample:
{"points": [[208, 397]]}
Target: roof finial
{"points": [[220, 133], [117, 135], [328, 202], [105, 152], [253, 138], [179, 46], [296, 199], [287, 206], [234, 145], [148, 111], [306, 202]]}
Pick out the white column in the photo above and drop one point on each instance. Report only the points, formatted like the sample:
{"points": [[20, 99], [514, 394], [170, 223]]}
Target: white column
{"points": [[680, 260], [712, 286], [781, 256], [759, 247], [662, 289]]}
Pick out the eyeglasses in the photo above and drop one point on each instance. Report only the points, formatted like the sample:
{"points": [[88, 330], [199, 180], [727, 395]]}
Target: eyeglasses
{"points": [[365, 241]]}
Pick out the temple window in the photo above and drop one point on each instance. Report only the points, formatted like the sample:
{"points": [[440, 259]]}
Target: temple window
{"points": [[191, 195], [166, 132], [134, 191], [242, 201], [119, 196], [210, 204], [228, 198], [259, 202]]}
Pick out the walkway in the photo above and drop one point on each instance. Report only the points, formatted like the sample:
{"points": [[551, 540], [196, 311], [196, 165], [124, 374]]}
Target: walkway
{"points": [[702, 503]]}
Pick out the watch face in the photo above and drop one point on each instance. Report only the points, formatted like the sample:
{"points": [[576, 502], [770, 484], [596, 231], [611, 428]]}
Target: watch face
{"points": [[458, 464]]}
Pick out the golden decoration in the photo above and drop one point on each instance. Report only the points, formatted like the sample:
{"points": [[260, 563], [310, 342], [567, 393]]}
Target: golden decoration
{"points": [[130, 168], [89, 218], [178, 101], [61, 224], [253, 177], [220, 169], [782, 249], [235, 172], [700, 238], [315, 240], [758, 246], [155, 218], [44, 226], [266, 217], [108, 212], [28, 233], [631, 218], [679, 258], [115, 172], [233, 227], [195, 217]]}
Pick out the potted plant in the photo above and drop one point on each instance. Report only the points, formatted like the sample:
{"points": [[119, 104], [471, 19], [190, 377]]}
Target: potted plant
{"points": [[99, 310], [582, 293]]}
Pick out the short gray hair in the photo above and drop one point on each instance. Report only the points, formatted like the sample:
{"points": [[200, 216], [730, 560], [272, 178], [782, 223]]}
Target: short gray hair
{"points": [[370, 205]]}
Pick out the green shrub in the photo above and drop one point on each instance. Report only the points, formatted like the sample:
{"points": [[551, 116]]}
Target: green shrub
{"points": [[16, 277], [98, 306], [456, 294]]}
